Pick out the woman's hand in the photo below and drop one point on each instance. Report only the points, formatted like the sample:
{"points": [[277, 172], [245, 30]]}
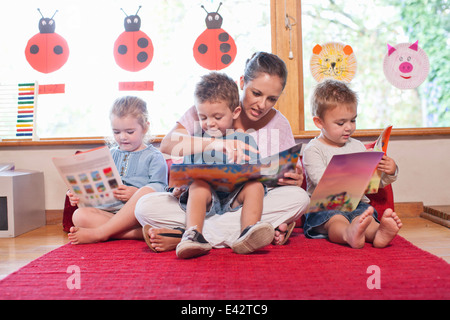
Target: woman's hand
{"points": [[124, 193], [293, 178], [73, 199]]}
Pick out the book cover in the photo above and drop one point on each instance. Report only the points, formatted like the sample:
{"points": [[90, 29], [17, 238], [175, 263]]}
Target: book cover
{"points": [[92, 176], [381, 145], [225, 177], [344, 181]]}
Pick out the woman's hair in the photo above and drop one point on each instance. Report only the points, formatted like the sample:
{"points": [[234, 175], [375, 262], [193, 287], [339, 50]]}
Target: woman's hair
{"points": [[214, 87], [263, 62], [328, 94]]}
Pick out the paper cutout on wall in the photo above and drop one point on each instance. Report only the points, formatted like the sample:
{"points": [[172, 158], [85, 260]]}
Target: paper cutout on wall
{"points": [[136, 86], [333, 60], [52, 88], [133, 49], [47, 51], [214, 49], [406, 65]]}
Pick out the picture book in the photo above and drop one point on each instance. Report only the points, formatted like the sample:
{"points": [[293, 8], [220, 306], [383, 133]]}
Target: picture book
{"points": [[344, 181], [92, 176], [226, 177], [381, 145]]}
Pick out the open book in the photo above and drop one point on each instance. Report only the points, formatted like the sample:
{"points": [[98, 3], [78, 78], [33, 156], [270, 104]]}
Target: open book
{"points": [[225, 177], [381, 145], [92, 176], [344, 181]]}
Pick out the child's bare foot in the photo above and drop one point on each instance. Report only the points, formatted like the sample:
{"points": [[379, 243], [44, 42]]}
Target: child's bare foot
{"points": [[80, 235], [355, 233], [390, 224], [161, 239]]}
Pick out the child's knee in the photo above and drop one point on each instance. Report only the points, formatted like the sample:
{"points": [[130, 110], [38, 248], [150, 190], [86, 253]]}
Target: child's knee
{"points": [[254, 187], [80, 216]]}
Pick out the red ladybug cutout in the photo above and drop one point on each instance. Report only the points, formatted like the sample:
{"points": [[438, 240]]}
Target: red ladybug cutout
{"points": [[214, 49], [47, 51], [133, 49]]}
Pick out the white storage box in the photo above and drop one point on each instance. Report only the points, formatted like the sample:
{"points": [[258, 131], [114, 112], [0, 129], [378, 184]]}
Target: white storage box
{"points": [[22, 202]]}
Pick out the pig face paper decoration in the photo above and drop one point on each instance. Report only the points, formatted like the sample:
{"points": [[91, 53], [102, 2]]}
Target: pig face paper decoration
{"points": [[406, 65]]}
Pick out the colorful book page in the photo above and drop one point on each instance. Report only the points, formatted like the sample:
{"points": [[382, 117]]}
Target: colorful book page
{"points": [[225, 177], [344, 181]]}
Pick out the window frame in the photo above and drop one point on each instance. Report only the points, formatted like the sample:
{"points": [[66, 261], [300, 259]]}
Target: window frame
{"points": [[290, 104]]}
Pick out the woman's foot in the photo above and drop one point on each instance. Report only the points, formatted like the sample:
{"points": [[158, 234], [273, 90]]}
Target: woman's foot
{"points": [[282, 233], [162, 239], [390, 224]]}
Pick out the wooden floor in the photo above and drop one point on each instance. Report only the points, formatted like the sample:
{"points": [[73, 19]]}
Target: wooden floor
{"points": [[17, 252]]}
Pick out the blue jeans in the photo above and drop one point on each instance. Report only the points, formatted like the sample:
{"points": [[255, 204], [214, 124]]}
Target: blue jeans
{"points": [[316, 219]]}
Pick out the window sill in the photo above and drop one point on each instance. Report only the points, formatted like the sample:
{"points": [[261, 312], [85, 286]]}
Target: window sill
{"points": [[405, 132]]}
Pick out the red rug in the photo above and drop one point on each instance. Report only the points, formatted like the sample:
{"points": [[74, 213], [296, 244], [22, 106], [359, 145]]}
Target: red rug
{"points": [[303, 269]]}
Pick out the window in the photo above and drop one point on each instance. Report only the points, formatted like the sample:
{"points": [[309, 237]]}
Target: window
{"points": [[368, 26], [91, 75]]}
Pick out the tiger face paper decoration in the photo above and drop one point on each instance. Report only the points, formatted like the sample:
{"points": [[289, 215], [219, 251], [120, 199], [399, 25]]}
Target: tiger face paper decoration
{"points": [[333, 60], [406, 66]]}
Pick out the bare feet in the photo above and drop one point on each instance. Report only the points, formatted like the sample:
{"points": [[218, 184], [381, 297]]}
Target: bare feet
{"points": [[390, 224], [80, 235], [355, 232], [161, 241]]}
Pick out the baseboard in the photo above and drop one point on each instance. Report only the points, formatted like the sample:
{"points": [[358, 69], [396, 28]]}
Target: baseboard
{"points": [[53, 216], [408, 209]]}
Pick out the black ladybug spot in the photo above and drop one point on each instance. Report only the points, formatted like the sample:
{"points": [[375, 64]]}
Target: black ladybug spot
{"points": [[203, 48], [34, 49], [58, 50], [226, 59], [142, 43], [122, 49], [225, 47], [142, 56], [223, 37]]}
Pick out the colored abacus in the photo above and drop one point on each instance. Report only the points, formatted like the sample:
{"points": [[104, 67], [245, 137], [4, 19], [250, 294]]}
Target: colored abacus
{"points": [[18, 110]]}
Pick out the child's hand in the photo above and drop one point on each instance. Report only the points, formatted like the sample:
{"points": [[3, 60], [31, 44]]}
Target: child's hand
{"points": [[74, 200], [177, 192], [124, 193], [387, 165], [234, 149]]}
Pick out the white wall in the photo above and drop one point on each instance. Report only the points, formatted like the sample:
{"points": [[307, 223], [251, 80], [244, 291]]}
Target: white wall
{"points": [[424, 164]]}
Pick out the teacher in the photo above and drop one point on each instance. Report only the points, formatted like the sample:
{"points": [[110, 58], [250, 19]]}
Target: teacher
{"points": [[262, 84]]}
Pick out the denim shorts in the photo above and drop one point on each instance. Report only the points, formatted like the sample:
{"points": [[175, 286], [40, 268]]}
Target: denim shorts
{"points": [[221, 202], [316, 219]]}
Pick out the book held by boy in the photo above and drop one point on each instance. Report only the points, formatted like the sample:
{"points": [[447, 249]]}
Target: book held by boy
{"points": [[226, 177], [380, 145], [344, 181], [92, 176]]}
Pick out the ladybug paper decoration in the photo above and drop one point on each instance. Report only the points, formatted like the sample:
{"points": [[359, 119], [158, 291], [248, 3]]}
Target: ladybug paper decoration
{"points": [[133, 49], [214, 49], [47, 51]]}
